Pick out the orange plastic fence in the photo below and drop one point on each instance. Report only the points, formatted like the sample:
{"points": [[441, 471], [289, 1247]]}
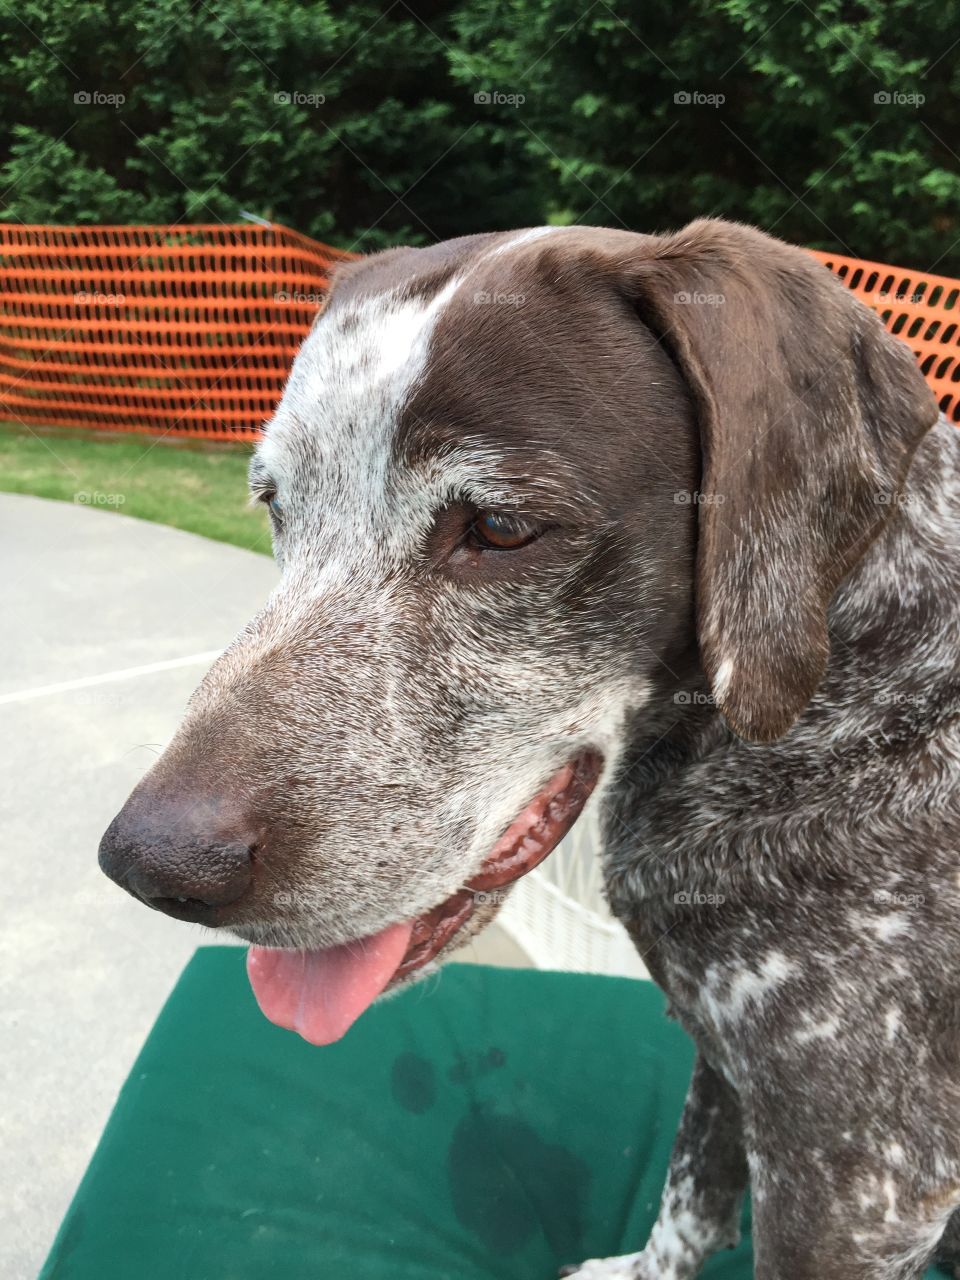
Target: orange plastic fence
{"points": [[181, 329], [921, 309], [191, 329]]}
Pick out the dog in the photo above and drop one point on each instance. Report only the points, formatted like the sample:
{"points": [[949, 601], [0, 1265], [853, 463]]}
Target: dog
{"points": [[669, 519]]}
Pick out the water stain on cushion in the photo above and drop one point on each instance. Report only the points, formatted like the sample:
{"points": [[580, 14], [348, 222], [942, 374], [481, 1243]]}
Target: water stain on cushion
{"points": [[413, 1083], [462, 1070], [506, 1184]]}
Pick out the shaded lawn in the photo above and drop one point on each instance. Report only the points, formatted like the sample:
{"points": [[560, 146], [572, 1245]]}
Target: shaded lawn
{"points": [[192, 485]]}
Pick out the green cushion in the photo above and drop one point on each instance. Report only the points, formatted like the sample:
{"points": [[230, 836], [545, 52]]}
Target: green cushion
{"points": [[490, 1124]]}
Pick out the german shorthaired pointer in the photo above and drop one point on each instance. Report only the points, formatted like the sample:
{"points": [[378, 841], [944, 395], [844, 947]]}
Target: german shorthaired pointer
{"points": [[668, 517]]}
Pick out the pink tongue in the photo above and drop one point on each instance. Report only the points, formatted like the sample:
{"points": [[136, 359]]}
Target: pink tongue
{"points": [[321, 993]]}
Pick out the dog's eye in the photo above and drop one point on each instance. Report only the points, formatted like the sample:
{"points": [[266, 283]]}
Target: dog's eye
{"points": [[494, 531], [270, 500]]}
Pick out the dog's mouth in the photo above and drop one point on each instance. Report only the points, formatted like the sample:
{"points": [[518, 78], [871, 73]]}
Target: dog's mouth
{"points": [[320, 994]]}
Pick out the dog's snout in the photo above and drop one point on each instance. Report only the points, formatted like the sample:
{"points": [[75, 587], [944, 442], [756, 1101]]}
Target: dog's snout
{"points": [[181, 862]]}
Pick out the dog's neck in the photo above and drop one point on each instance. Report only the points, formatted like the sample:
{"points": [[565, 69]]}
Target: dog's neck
{"points": [[877, 740], [894, 621]]}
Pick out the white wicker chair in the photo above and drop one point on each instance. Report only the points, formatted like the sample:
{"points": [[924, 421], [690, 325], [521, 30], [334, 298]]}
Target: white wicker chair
{"points": [[558, 916]]}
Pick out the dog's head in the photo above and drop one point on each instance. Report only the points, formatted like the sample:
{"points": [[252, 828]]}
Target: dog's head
{"points": [[524, 488]]}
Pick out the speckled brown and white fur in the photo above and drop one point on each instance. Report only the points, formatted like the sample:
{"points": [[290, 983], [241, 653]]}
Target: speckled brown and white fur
{"points": [[745, 597], [822, 992]]}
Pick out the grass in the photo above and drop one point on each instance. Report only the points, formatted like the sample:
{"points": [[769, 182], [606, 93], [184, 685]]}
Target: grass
{"points": [[197, 486]]}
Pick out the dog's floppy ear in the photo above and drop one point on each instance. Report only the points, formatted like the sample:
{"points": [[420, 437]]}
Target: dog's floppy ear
{"points": [[809, 415]]}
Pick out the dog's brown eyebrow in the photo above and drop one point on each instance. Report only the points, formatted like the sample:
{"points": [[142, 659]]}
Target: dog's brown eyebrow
{"points": [[517, 491], [495, 467]]}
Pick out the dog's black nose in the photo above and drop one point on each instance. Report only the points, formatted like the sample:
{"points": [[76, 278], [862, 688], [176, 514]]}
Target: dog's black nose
{"points": [[180, 859]]}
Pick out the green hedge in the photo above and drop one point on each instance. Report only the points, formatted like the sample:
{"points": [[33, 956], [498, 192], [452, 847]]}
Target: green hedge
{"points": [[836, 125]]}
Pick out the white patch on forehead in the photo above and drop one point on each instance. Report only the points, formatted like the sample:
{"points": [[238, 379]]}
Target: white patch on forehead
{"points": [[404, 334], [383, 339], [346, 390], [534, 233], [359, 365]]}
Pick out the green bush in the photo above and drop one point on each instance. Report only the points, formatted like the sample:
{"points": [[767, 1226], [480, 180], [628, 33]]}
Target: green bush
{"points": [[220, 113], [580, 117], [818, 133]]}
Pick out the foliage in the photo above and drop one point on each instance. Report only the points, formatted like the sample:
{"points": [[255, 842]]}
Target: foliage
{"points": [[769, 111]]}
